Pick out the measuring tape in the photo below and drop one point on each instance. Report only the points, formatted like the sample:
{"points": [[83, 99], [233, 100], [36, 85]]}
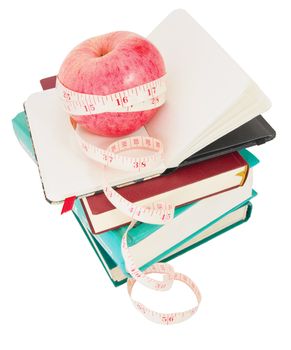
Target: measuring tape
{"points": [[169, 275], [166, 318], [146, 96], [155, 213], [143, 97]]}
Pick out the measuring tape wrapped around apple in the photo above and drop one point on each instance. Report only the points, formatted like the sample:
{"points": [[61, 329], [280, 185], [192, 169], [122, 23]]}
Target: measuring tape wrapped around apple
{"points": [[112, 85]]}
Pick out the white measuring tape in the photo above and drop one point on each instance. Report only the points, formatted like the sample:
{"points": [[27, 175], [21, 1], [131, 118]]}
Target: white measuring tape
{"points": [[147, 96], [156, 213], [143, 97], [166, 318]]}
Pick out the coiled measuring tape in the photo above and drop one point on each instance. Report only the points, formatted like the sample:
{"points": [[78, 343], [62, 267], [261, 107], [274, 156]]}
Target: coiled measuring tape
{"points": [[147, 96]]}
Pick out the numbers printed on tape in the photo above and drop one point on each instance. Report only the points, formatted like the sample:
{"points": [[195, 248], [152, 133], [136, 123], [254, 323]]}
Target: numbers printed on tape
{"points": [[164, 318], [157, 213], [143, 97], [111, 157]]}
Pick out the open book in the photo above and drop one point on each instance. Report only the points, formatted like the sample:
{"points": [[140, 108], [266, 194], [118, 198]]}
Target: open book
{"points": [[208, 96]]}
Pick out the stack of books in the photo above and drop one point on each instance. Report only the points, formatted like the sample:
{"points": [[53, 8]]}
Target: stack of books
{"points": [[211, 116]]}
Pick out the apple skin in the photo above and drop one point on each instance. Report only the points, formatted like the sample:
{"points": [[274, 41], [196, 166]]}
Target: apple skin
{"points": [[108, 64]]}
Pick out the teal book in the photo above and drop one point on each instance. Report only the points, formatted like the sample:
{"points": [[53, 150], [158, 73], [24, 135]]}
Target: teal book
{"points": [[21, 130], [152, 243], [117, 277]]}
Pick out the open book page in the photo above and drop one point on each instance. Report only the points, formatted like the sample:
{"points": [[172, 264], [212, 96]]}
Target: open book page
{"points": [[64, 169], [202, 81], [251, 103]]}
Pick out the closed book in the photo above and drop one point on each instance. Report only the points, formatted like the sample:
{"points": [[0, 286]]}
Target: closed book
{"points": [[185, 185], [228, 222], [150, 243]]}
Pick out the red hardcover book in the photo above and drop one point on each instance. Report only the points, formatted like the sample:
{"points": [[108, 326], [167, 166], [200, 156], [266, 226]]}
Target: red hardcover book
{"points": [[185, 185]]}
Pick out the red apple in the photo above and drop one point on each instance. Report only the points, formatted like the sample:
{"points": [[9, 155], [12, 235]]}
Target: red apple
{"points": [[107, 64]]}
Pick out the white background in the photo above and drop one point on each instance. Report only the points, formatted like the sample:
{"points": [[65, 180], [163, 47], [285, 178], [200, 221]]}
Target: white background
{"points": [[54, 293]]}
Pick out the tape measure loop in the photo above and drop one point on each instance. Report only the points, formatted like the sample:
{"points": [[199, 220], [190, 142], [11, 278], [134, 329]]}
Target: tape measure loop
{"points": [[161, 212], [166, 318], [145, 97]]}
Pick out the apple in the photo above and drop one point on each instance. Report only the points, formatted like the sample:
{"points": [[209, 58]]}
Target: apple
{"points": [[107, 64]]}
